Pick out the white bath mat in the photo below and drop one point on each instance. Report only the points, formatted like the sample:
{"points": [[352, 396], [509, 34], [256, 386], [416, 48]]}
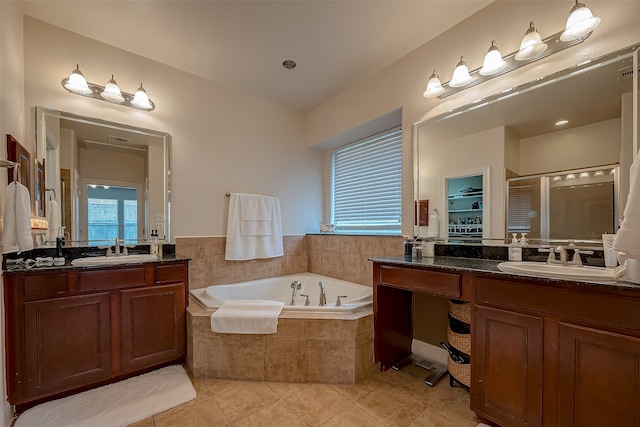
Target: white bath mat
{"points": [[117, 404]]}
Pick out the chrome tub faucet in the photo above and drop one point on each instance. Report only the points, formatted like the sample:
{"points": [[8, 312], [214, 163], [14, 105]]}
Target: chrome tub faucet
{"points": [[295, 285], [323, 296]]}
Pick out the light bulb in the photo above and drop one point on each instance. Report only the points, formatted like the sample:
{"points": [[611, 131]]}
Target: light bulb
{"points": [[461, 75], [531, 45], [141, 99], [580, 23], [493, 61], [76, 83], [434, 86], [112, 92]]}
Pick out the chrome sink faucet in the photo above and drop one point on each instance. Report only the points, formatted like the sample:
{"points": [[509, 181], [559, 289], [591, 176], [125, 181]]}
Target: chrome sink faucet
{"points": [[295, 285], [116, 250], [323, 296]]}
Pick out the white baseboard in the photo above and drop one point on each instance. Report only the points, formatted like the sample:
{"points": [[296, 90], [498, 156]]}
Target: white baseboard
{"points": [[429, 352]]}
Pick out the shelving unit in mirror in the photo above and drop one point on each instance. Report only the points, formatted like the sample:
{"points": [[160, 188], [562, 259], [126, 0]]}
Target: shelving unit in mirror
{"points": [[465, 206]]}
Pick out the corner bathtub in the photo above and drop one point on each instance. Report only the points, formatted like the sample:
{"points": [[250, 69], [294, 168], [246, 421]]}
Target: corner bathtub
{"points": [[358, 298]]}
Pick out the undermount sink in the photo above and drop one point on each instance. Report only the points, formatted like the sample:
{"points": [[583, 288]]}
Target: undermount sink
{"points": [[111, 260], [559, 271]]}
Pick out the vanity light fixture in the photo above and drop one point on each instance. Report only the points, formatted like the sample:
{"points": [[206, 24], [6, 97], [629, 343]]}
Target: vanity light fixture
{"points": [[579, 26], [493, 61], [562, 122], [531, 45], [461, 76], [580, 22], [77, 84]]}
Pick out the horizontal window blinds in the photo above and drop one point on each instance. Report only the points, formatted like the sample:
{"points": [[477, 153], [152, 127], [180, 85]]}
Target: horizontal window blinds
{"points": [[367, 184], [520, 205]]}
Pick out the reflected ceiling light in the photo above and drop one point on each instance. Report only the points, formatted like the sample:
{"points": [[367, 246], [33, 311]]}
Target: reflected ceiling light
{"points": [[493, 61], [598, 173], [76, 82], [112, 92], [141, 100], [613, 171], [557, 178], [580, 23], [461, 76], [570, 176], [584, 175], [562, 122], [434, 87], [531, 45]]}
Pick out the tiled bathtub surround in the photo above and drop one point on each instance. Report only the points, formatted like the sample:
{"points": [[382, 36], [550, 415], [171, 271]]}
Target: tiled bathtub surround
{"points": [[303, 350], [338, 256]]}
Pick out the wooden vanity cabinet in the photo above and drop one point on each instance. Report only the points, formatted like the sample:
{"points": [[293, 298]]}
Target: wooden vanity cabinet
{"points": [[555, 354], [70, 330]]}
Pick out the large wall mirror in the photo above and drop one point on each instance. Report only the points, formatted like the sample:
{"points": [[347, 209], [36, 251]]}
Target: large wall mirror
{"points": [[513, 135], [103, 180]]}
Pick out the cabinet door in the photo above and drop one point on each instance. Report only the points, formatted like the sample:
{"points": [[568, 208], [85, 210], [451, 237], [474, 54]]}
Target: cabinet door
{"points": [[599, 381], [507, 367], [153, 325], [67, 342]]}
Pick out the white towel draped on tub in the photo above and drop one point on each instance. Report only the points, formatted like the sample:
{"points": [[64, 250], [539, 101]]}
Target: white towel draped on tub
{"points": [[254, 228], [247, 317], [16, 235]]}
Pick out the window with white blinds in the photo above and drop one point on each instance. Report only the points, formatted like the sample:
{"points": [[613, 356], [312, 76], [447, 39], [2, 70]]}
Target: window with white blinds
{"points": [[367, 185]]}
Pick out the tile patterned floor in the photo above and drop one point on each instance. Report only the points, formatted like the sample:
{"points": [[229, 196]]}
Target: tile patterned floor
{"points": [[392, 399]]}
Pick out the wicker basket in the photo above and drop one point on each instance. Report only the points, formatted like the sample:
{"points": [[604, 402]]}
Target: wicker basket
{"points": [[461, 342], [460, 372], [460, 310]]}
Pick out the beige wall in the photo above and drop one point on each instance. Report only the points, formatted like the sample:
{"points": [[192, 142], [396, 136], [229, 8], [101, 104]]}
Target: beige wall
{"points": [[595, 144], [223, 140], [402, 83]]}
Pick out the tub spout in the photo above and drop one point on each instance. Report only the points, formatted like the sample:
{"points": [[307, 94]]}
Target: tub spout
{"points": [[295, 285], [323, 296]]}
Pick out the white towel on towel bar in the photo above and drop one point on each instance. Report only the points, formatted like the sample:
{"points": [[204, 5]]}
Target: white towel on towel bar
{"points": [[247, 317], [254, 227], [628, 236], [16, 235]]}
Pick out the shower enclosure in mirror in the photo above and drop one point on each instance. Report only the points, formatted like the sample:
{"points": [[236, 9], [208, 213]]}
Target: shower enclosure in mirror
{"points": [[513, 134], [106, 179], [563, 205]]}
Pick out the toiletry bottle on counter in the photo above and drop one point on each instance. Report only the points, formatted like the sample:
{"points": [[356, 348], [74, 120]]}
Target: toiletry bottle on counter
{"points": [[154, 242], [408, 247], [418, 250], [515, 250]]}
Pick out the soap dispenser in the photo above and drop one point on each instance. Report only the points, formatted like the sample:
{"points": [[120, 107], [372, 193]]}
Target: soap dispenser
{"points": [[515, 250], [60, 242]]}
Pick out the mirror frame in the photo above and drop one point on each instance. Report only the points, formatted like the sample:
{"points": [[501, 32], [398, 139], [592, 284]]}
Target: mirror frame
{"points": [[632, 51], [40, 136]]}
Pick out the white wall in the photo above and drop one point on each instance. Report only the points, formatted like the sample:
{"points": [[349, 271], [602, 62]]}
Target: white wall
{"points": [[223, 140], [595, 144], [468, 155], [401, 84]]}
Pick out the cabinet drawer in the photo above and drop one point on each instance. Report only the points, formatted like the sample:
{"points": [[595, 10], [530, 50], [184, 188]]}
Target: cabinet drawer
{"points": [[169, 273], [579, 304], [111, 279], [45, 285], [445, 284]]}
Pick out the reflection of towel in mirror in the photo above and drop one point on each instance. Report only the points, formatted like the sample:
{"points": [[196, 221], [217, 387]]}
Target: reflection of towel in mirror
{"points": [[16, 235], [434, 224], [53, 218], [254, 228], [628, 236]]}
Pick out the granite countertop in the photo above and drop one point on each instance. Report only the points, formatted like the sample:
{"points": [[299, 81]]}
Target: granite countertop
{"points": [[489, 266], [166, 259]]}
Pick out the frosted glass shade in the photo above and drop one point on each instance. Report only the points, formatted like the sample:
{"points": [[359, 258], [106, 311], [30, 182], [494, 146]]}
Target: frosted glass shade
{"points": [[434, 86], [493, 61], [461, 75], [531, 45], [112, 92], [141, 99], [77, 83], [580, 23]]}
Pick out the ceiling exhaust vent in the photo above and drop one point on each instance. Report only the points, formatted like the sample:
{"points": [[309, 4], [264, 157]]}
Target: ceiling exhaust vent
{"points": [[118, 139], [626, 73]]}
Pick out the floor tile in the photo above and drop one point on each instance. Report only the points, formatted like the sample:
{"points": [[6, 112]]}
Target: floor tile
{"points": [[316, 404], [277, 414], [240, 402], [147, 422], [393, 405], [355, 392], [198, 412], [352, 416]]}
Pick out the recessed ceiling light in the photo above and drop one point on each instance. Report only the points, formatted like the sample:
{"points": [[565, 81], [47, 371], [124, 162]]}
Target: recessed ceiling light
{"points": [[289, 64], [562, 122]]}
